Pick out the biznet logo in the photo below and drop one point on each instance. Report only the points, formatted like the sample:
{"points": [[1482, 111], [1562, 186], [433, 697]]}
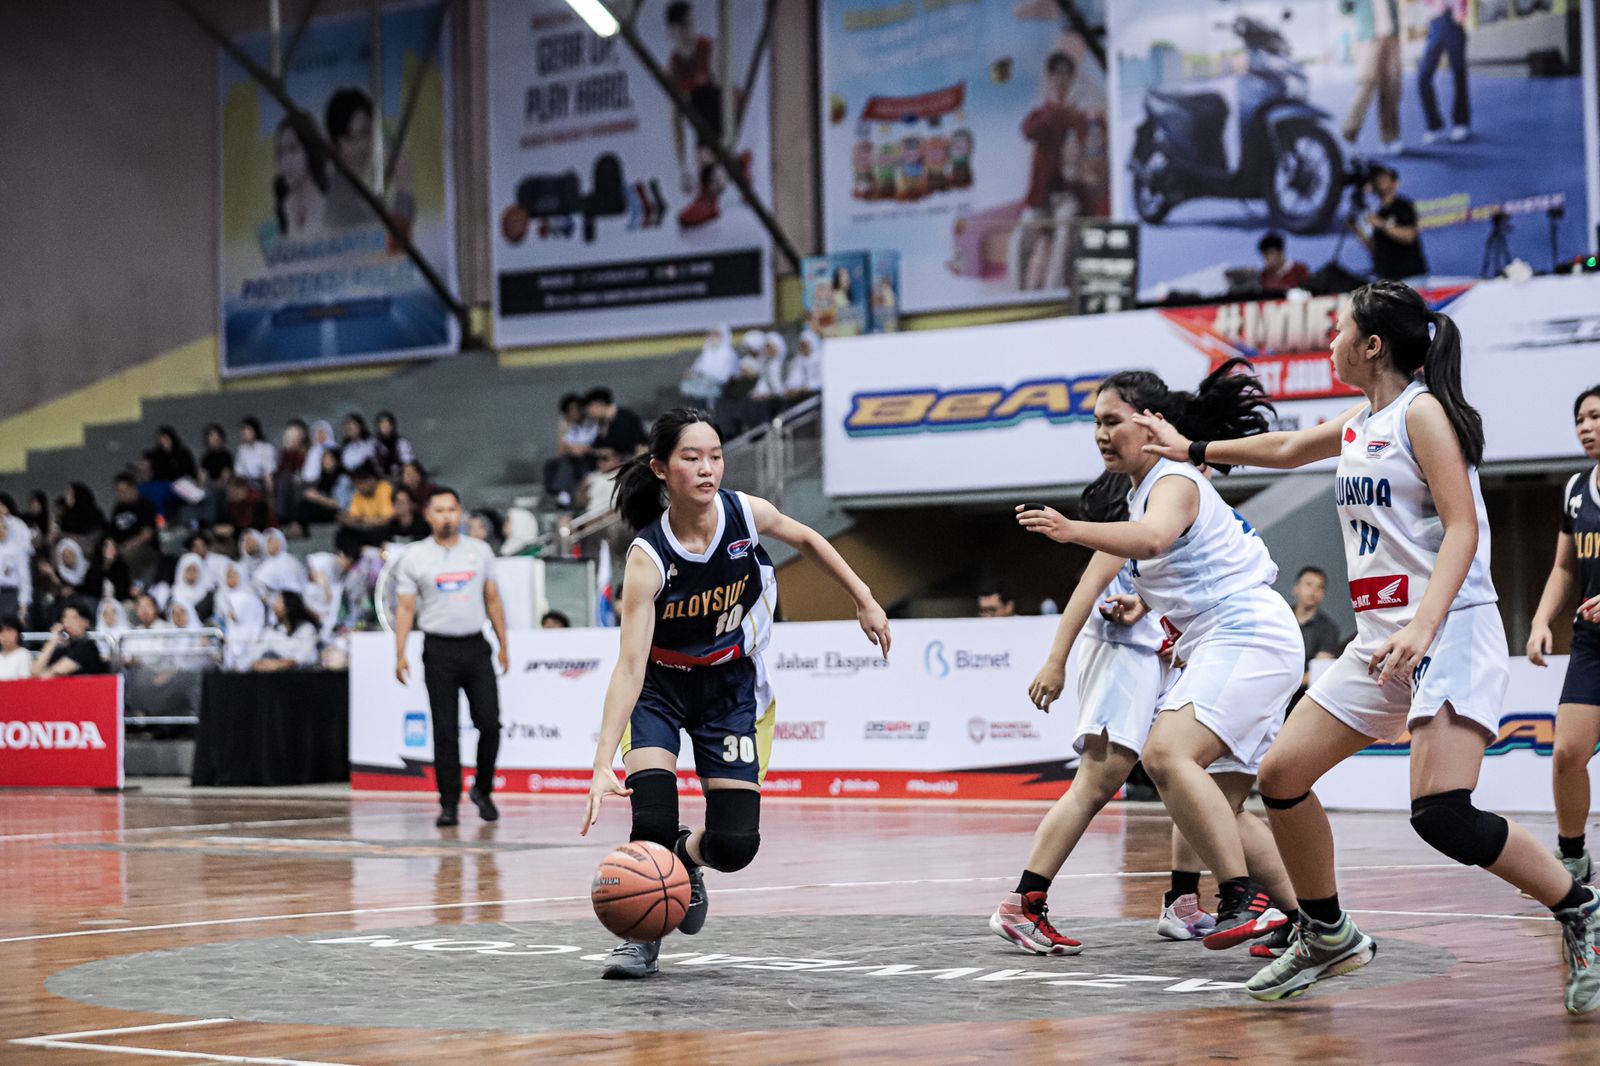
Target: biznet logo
{"points": [[20, 736]]}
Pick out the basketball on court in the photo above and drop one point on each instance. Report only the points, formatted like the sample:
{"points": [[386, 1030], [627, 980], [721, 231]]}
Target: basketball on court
{"points": [[640, 890]]}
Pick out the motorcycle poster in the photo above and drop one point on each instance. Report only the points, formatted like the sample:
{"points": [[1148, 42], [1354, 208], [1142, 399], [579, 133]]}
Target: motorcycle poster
{"points": [[966, 136], [608, 215], [1234, 119]]}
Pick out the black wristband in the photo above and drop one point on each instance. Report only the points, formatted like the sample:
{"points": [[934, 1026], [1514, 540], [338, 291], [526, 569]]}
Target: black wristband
{"points": [[1197, 452]]}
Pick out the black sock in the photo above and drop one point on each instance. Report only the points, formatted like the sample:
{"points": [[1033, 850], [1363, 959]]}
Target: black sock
{"points": [[1032, 882], [1576, 896], [1184, 883], [1233, 887], [681, 849], [1326, 911], [1571, 847], [1293, 916]]}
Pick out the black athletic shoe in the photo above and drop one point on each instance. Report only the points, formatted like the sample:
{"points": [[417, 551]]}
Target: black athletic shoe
{"points": [[447, 817], [1244, 916], [485, 805], [694, 919]]}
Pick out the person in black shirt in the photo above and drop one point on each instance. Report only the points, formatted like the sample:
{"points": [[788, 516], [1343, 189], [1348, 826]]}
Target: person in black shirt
{"points": [[69, 650], [133, 528], [1390, 233], [80, 515], [216, 462], [407, 523], [620, 429], [1317, 630]]}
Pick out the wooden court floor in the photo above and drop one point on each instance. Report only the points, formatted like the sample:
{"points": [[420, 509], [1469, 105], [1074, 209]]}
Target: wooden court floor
{"points": [[268, 928]]}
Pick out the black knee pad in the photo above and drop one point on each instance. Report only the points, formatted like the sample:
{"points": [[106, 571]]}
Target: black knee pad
{"points": [[1454, 827], [655, 806], [733, 828], [1273, 804]]}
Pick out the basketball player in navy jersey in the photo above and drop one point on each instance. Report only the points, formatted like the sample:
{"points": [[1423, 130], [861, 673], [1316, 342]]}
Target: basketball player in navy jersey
{"points": [[1430, 649], [698, 599], [1577, 567]]}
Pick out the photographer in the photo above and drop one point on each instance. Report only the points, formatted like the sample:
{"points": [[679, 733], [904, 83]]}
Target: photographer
{"points": [[1390, 233]]}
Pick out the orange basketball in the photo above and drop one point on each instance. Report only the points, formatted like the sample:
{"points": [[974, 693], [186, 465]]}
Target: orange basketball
{"points": [[640, 890]]}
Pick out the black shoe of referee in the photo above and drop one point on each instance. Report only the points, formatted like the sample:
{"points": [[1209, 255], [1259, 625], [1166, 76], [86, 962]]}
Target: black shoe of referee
{"points": [[447, 817], [486, 808]]}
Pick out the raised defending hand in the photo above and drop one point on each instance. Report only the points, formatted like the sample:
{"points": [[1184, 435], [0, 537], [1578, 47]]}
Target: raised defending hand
{"points": [[1124, 609], [1048, 685], [875, 624], [603, 784], [1047, 520], [1169, 443]]}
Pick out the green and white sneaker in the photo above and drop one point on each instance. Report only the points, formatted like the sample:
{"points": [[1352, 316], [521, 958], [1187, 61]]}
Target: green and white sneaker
{"points": [[1315, 952], [1580, 931]]}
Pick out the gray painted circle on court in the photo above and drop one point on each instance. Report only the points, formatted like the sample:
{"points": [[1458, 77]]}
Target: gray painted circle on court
{"points": [[743, 972]]}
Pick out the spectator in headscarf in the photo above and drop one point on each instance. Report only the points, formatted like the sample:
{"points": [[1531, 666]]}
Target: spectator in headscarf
{"points": [[391, 451], [279, 570], [72, 565], [216, 563], [111, 617], [320, 441], [191, 584], [803, 379], [522, 532], [293, 640], [242, 615], [324, 593], [252, 552], [716, 364], [357, 449]]}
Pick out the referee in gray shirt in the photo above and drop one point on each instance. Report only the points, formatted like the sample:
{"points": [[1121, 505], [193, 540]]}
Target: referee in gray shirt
{"points": [[447, 589]]}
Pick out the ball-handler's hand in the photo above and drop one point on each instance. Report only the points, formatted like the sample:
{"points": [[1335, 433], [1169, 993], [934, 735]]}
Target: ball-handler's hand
{"points": [[875, 624], [1124, 609], [1048, 685], [1047, 520], [604, 784]]}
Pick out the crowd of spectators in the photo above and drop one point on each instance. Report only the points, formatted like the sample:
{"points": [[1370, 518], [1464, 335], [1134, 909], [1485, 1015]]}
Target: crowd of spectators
{"points": [[745, 385]]}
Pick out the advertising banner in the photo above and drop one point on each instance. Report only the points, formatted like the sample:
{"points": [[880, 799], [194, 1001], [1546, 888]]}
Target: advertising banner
{"points": [[309, 277], [947, 717], [919, 413], [965, 136], [1233, 120], [62, 732], [608, 217]]}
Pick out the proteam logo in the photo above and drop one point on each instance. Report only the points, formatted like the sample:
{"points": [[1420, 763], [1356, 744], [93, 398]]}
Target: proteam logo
{"points": [[1535, 733], [454, 581], [1376, 448], [739, 549], [1057, 400], [34, 736], [571, 669]]}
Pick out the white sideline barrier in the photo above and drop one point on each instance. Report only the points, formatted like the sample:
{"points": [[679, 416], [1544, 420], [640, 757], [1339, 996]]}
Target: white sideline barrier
{"points": [[947, 718]]}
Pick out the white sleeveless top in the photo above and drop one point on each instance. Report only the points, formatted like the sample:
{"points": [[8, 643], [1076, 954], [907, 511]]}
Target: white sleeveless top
{"points": [[1145, 634], [1218, 556], [1392, 532]]}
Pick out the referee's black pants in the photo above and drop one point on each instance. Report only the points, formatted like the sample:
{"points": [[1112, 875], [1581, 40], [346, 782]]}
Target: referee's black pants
{"points": [[451, 665]]}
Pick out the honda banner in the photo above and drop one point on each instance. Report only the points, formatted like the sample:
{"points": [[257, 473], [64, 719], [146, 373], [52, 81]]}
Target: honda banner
{"points": [[62, 732], [1012, 405], [946, 717]]}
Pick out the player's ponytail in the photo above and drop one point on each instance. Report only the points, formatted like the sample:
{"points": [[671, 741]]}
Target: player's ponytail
{"points": [[1418, 339], [1105, 499], [1228, 404], [639, 496]]}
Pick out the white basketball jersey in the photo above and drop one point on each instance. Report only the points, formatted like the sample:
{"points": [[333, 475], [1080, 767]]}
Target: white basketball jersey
{"points": [[1145, 634], [1218, 556], [1392, 532]]}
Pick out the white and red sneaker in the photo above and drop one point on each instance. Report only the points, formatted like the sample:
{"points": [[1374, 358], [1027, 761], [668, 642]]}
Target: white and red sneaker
{"points": [[1244, 916], [1182, 919], [1024, 920]]}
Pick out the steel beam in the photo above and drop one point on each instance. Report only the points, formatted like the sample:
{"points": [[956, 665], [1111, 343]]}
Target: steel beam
{"points": [[1092, 35]]}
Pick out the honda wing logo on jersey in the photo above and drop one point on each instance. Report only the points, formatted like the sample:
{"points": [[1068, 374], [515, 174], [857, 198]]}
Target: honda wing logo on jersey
{"points": [[1376, 593]]}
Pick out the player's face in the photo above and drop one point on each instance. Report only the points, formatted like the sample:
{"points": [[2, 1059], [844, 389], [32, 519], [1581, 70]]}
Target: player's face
{"points": [[1588, 423], [694, 472], [1120, 441], [444, 515], [1351, 351], [1310, 590]]}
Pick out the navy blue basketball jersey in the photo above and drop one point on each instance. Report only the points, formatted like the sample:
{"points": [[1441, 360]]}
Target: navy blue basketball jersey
{"points": [[1580, 519], [717, 606]]}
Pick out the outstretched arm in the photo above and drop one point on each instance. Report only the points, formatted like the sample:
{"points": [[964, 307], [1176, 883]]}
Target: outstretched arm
{"points": [[1272, 451], [1048, 685], [770, 522], [640, 583], [1172, 508]]}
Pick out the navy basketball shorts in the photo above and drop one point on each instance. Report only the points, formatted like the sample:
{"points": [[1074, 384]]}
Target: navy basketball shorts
{"points": [[1583, 669], [717, 706]]}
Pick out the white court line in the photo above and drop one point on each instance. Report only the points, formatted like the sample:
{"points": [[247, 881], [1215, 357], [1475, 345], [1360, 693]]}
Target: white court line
{"points": [[74, 833], [70, 1041], [252, 919], [1459, 914]]}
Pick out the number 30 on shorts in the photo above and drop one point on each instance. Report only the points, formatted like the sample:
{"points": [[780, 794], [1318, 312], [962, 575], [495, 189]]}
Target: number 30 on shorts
{"points": [[738, 749]]}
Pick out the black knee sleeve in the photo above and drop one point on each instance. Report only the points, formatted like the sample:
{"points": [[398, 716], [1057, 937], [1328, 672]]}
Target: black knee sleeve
{"points": [[733, 828], [1283, 804], [655, 806], [1454, 827]]}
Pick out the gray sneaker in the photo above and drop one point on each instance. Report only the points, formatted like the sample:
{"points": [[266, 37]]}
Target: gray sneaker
{"points": [[1581, 868], [1580, 931], [694, 918], [1315, 952], [631, 960]]}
